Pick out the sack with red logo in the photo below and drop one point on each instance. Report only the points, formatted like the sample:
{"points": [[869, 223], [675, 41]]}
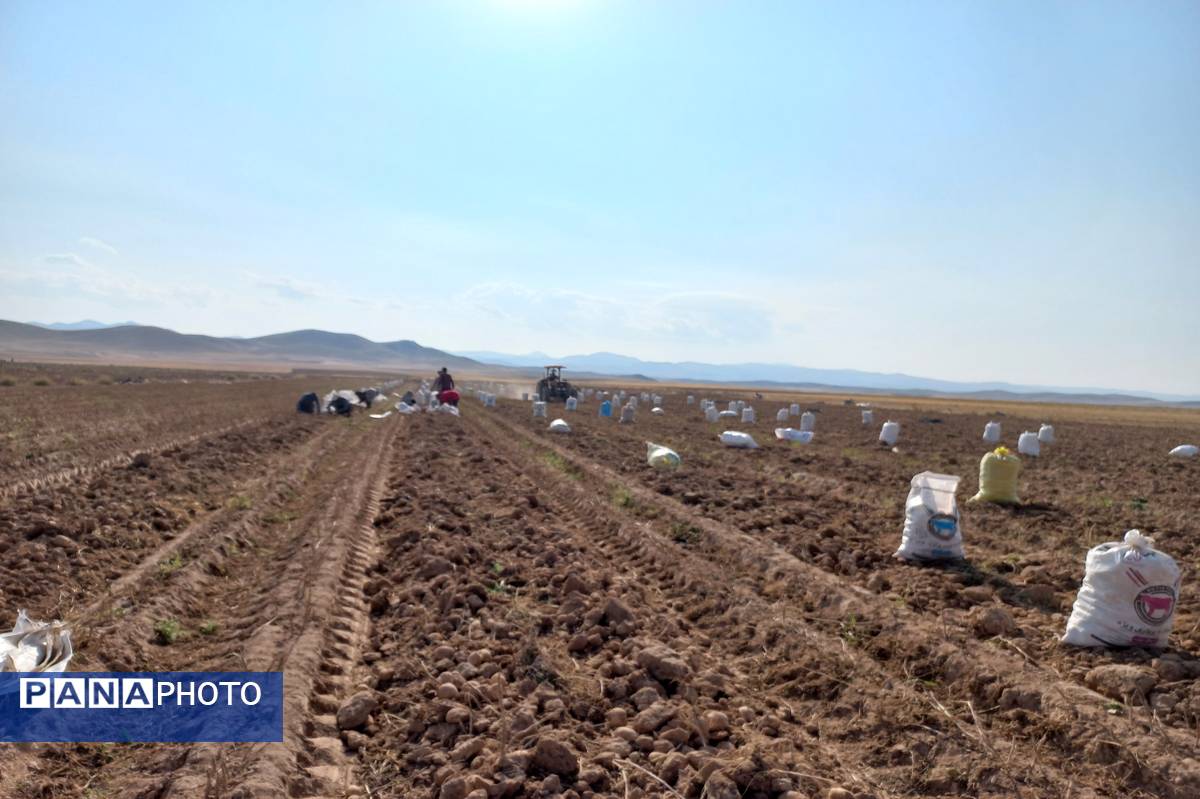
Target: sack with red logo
{"points": [[1127, 598]]}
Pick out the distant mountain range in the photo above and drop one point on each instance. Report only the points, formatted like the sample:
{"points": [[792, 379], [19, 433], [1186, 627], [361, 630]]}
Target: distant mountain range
{"points": [[144, 344], [91, 341], [786, 375]]}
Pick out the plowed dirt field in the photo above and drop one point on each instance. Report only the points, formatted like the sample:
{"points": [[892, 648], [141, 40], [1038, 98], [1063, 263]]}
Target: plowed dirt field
{"points": [[476, 607]]}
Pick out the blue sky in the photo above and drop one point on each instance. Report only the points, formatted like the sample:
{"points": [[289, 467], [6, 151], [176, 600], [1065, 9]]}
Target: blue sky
{"points": [[965, 190]]}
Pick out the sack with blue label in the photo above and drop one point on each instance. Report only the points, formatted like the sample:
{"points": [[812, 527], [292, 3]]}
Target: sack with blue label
{"points": [[932, 528]]}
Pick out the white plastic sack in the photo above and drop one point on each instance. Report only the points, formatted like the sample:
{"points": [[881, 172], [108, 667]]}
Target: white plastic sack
{"points": [[445, 408], [733, 406], [792, 434], [1046, 434], [627, 413], [808, 420], [404, 407], [890, 433], [1128, 596], [991, 432], [711, 414], [36, 646], [539, 410], [657, 411], [732, 438], [747, 416], [782, 415], [1185, 451], [559, 426], [691, 400], [661, 457], [1028, 444], [868, 417], [572, 403], [794, 409], [728, 414], [931, 522]]}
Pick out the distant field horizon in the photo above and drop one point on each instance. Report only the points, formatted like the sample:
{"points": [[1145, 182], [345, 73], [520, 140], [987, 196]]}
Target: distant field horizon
{"points": [[149, 345]]}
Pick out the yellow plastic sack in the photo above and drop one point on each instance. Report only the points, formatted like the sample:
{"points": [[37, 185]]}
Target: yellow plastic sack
{"points": [[998, 477]]}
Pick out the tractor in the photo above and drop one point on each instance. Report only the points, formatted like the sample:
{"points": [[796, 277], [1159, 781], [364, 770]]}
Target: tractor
{"points": [[552, 387]]}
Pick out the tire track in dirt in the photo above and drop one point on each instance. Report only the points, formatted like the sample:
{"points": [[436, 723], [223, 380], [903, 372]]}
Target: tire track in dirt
{"points": [[278, 589], [519, 640], [1023, 561], [62, 477], [849, 685], [686, 593], [68, 546], [1047, 712]]}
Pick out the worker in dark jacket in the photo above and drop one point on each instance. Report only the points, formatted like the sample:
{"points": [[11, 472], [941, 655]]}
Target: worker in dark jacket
{"points": [[443, 381]]}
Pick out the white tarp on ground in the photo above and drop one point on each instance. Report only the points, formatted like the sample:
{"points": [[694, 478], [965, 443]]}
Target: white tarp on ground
{"points": [[1185, 451], [792, 434], [36, 646], [383, 415], [1128, 596]]}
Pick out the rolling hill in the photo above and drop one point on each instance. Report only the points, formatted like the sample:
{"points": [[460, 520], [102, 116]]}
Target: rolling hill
{"points": [[145, 344]]}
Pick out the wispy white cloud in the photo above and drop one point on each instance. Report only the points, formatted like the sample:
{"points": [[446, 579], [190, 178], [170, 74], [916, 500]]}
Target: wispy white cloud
{"points": [[72, 274], [97, 244], [66, 259], [288, 289], [292, 290], [701, 318]]}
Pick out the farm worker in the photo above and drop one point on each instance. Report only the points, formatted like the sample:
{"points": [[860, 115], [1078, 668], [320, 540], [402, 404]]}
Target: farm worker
{"points": [[443, 381], [443, 384]]}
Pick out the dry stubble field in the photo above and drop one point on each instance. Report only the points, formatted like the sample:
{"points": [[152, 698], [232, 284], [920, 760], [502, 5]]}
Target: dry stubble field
{"points": [[474, 607]]}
